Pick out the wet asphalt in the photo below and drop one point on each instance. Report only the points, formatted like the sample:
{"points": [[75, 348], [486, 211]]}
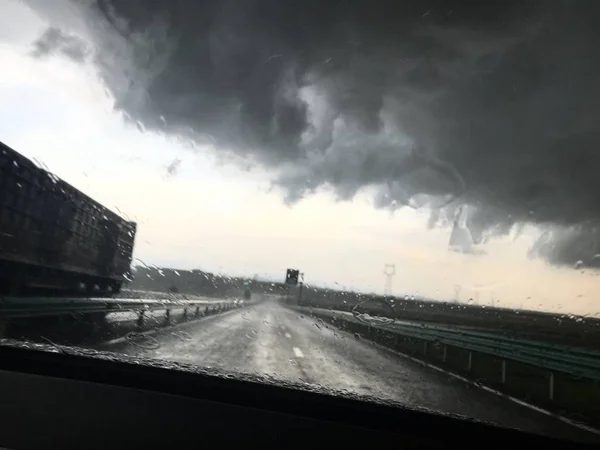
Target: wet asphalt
{"points": [[271, 340]]}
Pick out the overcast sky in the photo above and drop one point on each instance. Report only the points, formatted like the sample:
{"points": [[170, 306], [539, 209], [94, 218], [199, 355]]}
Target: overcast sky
{"points": [[328, 177]]}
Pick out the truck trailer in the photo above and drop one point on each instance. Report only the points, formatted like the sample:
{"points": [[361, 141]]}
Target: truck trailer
{"points": [[55, 238]]}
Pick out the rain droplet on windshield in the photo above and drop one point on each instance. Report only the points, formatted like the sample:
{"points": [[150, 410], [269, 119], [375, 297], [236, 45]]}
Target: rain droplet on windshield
{"points": [[374, 310]]}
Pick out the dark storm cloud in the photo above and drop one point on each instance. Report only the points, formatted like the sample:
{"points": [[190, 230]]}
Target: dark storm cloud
{"points": [[578, 246], [56, 41], [173, 167], [491, 104]]}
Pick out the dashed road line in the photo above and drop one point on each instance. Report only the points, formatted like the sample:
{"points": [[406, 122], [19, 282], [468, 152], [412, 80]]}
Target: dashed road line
{"points": [[298, 352]]}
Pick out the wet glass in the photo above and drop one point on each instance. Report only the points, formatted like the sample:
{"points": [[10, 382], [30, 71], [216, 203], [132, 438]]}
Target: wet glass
{"points": [[395, 200]]}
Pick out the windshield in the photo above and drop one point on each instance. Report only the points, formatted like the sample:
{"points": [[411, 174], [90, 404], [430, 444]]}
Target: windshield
{"points": [[395, 200]]}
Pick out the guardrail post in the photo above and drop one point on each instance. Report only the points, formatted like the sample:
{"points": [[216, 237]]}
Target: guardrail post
{"points": [[140, 321], [168, 316], [470, 362], [197, 311], [503, 379], [551, 386]]}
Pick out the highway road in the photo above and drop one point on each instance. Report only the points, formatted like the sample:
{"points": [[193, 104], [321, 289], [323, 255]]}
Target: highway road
{"points": [[271, 340]]}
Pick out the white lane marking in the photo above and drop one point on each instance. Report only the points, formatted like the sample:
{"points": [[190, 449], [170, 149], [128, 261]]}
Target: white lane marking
{"points": [[288, 335], [298, 352]]}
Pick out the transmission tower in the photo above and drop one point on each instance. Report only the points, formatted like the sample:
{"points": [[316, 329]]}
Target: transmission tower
{"points": [[389, 270], [457, 289]]}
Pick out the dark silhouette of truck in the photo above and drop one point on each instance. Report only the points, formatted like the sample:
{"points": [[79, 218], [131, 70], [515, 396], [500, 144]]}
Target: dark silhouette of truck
{"points": [[54, 237]]}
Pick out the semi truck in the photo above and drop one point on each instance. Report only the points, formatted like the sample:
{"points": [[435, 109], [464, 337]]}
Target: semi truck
{"points": [[53, 237]]}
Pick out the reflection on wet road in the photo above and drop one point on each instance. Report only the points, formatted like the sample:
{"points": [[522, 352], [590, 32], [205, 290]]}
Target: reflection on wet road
{"points": [[269, 339]]}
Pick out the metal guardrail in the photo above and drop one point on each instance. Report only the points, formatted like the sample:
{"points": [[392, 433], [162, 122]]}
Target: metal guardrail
{"points": [[21, 308], [579, 362], [571, 360]]}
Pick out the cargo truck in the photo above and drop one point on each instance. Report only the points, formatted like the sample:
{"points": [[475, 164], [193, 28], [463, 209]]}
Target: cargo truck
{"points": [[54, 237]]}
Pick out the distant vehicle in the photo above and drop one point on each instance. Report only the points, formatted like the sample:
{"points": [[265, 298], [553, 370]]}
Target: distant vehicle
{"points": [[53, 236]]}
